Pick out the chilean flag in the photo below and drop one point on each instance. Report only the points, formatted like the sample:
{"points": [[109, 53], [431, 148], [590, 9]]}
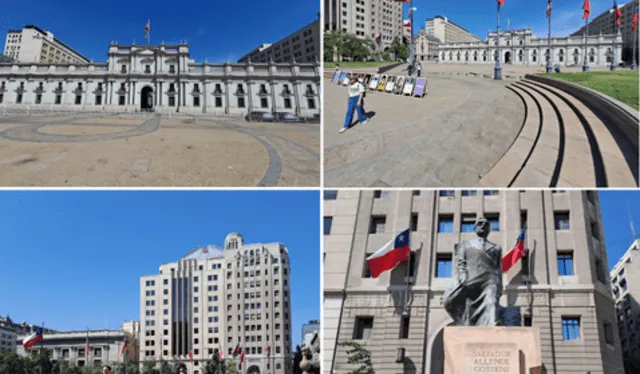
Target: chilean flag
{"points": [[587, 9], [634, 20], [32, 339], [124, 346], [515, 254], [191, 355], [501, 2], [266, 349], [242, 356], [236, 350], [618, 13], [549, 8], [220, 353], [406, 23], [389, 256]]}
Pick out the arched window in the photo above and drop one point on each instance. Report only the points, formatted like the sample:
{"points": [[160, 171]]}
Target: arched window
{"points": [[592, 55], [609, 55], [484, 56], [475, 55], [561, 55], [458, 56], [450, 55], [466, 56], [508, 43], [576, 55], [520, 55]]}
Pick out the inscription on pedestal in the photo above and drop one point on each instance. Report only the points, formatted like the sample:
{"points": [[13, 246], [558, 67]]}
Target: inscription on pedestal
{"points": [[491, 358]]}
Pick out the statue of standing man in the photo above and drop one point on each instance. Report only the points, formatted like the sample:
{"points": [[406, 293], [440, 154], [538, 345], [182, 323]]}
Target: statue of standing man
{"points": [[474, 296]]}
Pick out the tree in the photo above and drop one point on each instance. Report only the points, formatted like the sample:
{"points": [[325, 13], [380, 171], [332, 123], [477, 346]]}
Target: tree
{"points": [[399, 49], [297, 358], [232, 367], [149, 367], [333, 44], [338, 45], [11, 363], [215, 365], [358, 356], [166, 368]]}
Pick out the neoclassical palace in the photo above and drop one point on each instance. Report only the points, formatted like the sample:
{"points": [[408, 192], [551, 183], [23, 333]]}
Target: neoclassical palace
{"points": [[162, 78], [522, 48]]}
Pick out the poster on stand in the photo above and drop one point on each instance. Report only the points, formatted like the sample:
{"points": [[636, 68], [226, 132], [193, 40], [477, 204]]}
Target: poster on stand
{"points": [[374, 82], [343, 75], [421, 87], [383, 83], [408, 86], [399, 85], [345, 81], [391, 84], [336, 76], [366, 80]]}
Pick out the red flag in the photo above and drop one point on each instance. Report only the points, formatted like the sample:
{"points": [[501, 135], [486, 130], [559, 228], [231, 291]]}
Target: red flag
{"points": [[266, 350], [587, 9], [191, 355], [242, 357], [515, 254], [220, 353], [236, 350], [634, 21], [126, 343], [618, 13], [501, 2], [549, 8], [146, 29]]}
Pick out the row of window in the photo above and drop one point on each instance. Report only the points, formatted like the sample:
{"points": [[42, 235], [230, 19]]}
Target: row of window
{"points": [[571, 328]]}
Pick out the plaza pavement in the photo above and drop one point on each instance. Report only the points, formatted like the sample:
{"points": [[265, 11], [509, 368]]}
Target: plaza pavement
{"points": [[450, 137], [65, 150]]}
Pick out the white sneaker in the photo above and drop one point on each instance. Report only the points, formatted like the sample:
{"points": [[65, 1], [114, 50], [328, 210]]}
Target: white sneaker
{"points": [[342, 130], [365, 121]]}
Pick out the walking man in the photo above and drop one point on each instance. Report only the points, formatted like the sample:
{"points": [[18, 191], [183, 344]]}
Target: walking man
{"points": [[356, 96], [419, 68]]}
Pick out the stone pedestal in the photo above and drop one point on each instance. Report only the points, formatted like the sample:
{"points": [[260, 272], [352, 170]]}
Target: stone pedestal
{"points": [[512, 350]]}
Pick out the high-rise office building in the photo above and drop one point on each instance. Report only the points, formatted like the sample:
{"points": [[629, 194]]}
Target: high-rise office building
{"points": [[32, 44], [562, 286], [218, 298], [447, 31], [366, 19], [625, 281], [309, 328]]}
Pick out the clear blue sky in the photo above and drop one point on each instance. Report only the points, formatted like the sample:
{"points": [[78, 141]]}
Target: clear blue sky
{"points": [[74, 258], [615, 219], [214, 29], [479, 16]]}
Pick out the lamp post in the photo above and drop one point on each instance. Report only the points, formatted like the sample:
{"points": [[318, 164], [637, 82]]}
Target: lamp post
{"points": [[498, 69], [585, 66], [411, 49], [613, 40], [634, 64], [549, 54]]}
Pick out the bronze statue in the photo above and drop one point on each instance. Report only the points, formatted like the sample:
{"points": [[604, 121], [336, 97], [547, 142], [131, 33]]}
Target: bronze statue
{"points": [[474, 296]]}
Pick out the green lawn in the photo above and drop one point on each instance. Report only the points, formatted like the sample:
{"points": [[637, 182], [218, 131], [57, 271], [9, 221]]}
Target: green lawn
{"points": [[357, 64], [621, 85]]}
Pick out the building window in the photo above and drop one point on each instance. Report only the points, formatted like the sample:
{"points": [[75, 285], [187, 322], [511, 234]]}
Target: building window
{"points": [[494, 221], [241, 102], [196, 101], [264, 103], [468, 222], [445, 223], [562, 220], [330, 194], [38, 99], [404, 327], [287, 103], [527, 321], [147, 69], [608, 333], [218, 102], [414, 221], [1, 98], [571, 328], [469, 193], [415, 193], [443, 265], [377, 224], [363, 328], [98, 100], [121, 100], [172, 69], [172, 101], [447, 193], [78, 99], [311, 103], [491, 192], [328, 221], [19, 99], [565, 263], [123, 69], [523, 219]]}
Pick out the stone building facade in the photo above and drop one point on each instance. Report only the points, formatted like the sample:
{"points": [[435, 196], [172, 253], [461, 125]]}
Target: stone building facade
{"points": [[32, 44], [217, 298], [447, 31], [163, 79], [104, 347], [520, 47], [7, 339], [302, 46], [562, 287], [426, 47], [625, 281]]}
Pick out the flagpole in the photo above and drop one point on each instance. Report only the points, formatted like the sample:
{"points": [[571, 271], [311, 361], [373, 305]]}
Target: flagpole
{"points": [[585, 66], [149, 43], [634, 64], [498, 68], [411, 50], [550, 53], [615, 35], [41, 347]]}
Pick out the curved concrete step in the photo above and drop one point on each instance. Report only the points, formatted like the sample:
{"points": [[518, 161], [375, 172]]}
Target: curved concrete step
{"points": [[606, 151], [505, 171], [578, 168], [542, 167]]}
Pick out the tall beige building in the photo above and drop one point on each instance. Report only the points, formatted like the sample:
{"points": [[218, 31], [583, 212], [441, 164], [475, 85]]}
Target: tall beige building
{"points": [[625, 281], [448, 32], [218, 298], [302, 46], [604, 24], [32, 44], [365, 18], [570, 299]]}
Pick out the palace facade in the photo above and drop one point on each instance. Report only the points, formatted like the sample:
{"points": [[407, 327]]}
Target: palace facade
{"points": [[162, 78], [521, 47]]}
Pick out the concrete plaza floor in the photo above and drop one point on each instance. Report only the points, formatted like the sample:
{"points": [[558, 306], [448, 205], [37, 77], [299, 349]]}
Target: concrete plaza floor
{"points": [[110, 151], [448, 138]]}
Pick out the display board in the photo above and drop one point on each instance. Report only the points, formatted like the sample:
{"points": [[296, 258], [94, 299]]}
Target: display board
{"points": [[336, 76], [366, 80], [374, 82], [399, 85], [408, 86], [421, 87], [383, 83], [343, 75], [345, 81], [391, 84]]}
